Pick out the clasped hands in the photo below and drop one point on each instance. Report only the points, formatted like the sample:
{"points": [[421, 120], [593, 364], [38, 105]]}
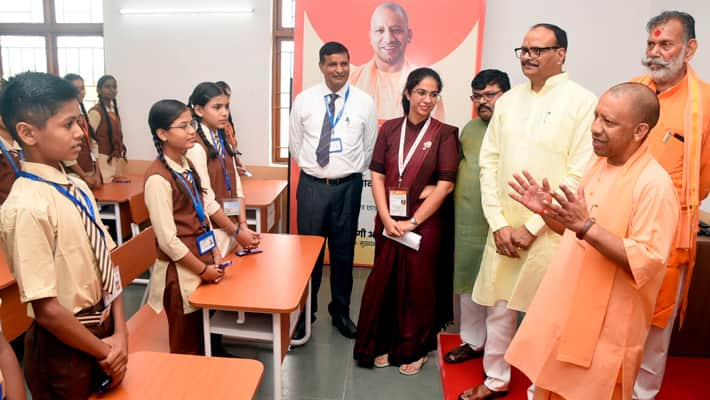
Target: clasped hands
{"points": [[396, 228], [570, 210]]}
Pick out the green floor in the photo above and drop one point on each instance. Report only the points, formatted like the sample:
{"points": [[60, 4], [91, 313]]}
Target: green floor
{"points": [[324, 367]]}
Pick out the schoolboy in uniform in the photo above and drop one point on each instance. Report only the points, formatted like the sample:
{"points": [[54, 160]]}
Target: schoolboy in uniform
{"points": [[57, 250]]}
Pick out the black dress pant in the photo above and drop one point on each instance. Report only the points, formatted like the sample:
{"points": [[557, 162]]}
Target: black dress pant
{"points": [[331, 209]]}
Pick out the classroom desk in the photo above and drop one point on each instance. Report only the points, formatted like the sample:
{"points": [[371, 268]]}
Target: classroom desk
{"points": [[270, 286], [266, 198], [12, 312], [166, 376], [113, 198]]}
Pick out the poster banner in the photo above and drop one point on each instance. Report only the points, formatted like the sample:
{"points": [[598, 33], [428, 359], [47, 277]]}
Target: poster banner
{"points": [[386, 41]]}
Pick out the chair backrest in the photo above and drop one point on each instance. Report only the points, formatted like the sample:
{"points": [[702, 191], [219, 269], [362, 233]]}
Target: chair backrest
{"points": [[139, 212], [135, 256]]}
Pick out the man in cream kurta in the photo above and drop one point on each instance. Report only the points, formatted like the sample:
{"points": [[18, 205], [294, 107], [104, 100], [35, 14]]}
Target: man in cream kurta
{"points": [[583, 335], [541, 126]]}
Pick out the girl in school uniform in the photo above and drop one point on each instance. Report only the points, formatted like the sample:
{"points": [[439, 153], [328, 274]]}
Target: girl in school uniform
{"points": [[84, 166], [214, 160], [229, 129], [185, 239], [106, 123]]}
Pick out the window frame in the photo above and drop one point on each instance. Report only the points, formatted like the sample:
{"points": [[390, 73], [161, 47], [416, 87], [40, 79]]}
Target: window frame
{"points": [[280, 34], [50, 30]]}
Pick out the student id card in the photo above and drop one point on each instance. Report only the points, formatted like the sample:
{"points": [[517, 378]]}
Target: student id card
{"points": [[118, 289], [206, 242], [231, 207], [398, 202]]}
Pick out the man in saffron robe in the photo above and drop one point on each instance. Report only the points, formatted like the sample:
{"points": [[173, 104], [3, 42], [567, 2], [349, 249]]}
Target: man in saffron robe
{"points": [[583, 335], [384, 76], [681, 144]]}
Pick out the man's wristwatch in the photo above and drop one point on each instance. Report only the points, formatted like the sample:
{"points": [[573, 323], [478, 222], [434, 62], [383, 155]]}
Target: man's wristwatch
{"points": [[414, 221]]}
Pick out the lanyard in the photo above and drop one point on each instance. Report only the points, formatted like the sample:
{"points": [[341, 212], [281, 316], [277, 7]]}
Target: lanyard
{"points": [[334, 121], [222, 157], [402, 164], [85, 207], [194, 197], [7, 154]]}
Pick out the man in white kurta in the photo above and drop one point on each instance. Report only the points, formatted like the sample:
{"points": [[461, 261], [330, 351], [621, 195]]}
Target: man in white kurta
{"points": [[542, 126]]}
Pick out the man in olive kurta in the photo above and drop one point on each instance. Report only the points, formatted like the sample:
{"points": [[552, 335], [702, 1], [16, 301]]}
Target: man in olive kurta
{"points": [[471, 228]]}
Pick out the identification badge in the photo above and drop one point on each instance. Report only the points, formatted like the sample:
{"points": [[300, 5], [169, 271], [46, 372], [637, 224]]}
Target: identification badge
{"points": [[118, 289], [206, 242], [336, 145], [398, 202], [231, 207]]}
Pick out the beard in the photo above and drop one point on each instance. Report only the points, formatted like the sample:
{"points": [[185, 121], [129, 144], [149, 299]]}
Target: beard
{"points": [[669, 69]]}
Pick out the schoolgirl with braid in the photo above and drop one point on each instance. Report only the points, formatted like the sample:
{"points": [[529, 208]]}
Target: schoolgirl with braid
{"points": [[106, 123], [214, 160], [187, 255], [230, 131], [85, 166]]}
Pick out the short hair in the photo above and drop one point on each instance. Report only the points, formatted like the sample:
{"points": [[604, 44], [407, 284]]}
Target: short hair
{"points": [[331, 48], [644, 100], [491, 76], [73, 77], [390, 5], [685, 19], [33, 97], [560, 34]]}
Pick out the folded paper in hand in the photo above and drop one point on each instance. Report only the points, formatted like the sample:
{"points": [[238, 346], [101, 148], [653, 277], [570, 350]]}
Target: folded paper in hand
{"points": [[409, 239]]}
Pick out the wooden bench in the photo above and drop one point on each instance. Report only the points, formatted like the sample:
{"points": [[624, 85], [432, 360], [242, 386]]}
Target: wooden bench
{"points": [[147, 331]]}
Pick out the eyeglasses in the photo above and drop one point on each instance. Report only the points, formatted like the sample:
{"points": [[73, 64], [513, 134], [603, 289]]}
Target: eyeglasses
{"points": [[487, 95], [533, 52], [194, 124], [424, 93]]}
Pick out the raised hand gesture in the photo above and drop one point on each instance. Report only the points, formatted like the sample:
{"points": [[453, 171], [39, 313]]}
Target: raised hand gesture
{"points": [[529, 193]]}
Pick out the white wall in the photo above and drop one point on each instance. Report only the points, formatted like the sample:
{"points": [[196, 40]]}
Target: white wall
{"points": [[164, 56]]}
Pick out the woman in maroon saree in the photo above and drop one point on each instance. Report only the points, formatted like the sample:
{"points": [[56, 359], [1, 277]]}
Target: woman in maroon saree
{"points": [[407, 298]]}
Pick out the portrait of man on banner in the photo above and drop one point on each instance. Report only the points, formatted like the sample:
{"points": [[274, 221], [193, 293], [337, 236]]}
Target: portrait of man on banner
{"points": [[384, 75]]}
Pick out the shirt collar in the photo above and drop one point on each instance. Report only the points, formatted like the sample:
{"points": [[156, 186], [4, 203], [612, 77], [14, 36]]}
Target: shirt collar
{"points": [[552, 81], [341, 93], [11, 145], [179, 168], [46, 172]]}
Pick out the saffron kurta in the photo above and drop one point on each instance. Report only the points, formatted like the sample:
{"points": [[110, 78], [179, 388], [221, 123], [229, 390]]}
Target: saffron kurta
{"points": [[386, 89], [546, 133], [470, 226], [549, 346], [678, 116], [406, 295]]}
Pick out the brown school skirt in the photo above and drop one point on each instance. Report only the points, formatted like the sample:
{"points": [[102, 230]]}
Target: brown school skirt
{"points": [[56, 371], [185, 330]]}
